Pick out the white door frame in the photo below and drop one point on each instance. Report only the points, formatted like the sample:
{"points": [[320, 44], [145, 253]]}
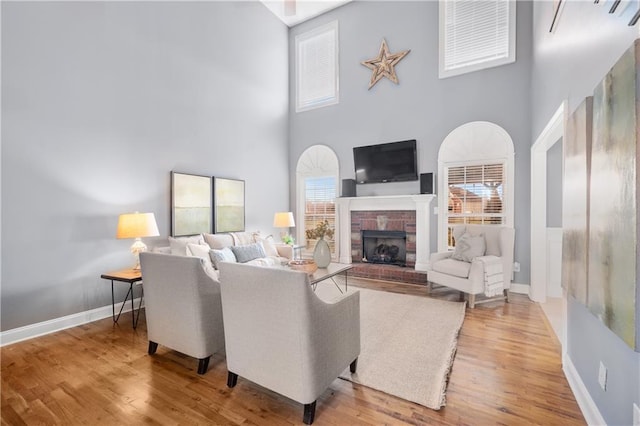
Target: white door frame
{"points": [[553, 131]]}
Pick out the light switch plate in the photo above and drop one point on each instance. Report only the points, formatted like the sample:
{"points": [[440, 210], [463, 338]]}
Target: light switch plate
{"points": [[602, 376]]}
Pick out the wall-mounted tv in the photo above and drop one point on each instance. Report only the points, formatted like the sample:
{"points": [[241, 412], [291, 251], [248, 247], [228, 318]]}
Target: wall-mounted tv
{"points": [[387, 162]]}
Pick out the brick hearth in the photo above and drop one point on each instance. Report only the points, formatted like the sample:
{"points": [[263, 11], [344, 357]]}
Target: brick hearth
{"points": [[397, 220]]}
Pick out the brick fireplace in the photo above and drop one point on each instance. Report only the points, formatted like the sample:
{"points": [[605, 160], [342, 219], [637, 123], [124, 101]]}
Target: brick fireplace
{"points": [[408, 220]]}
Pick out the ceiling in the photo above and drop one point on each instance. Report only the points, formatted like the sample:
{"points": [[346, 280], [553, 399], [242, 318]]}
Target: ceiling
{"points": [[293, 12]]}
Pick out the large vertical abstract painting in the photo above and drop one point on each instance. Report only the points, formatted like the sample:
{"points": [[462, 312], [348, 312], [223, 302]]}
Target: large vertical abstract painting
{"points": [[190, 204], [229, 205], [613, 234], [575, 201]]}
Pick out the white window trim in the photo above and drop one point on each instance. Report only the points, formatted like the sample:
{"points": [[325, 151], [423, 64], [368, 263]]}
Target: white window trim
{"points": [[330, 27], [474, 143], [444, 73]]}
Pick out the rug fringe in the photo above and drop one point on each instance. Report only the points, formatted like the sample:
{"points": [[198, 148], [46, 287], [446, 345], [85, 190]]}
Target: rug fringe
{"points": [[453, 349]]}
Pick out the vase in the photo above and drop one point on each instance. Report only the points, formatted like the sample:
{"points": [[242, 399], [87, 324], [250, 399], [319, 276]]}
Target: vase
{"points": [[322, 253]]}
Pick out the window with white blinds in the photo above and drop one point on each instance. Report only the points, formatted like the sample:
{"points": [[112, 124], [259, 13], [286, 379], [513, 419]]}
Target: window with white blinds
{"points": [[320, 205], [475, 195], [476, 34], [317, 67]]}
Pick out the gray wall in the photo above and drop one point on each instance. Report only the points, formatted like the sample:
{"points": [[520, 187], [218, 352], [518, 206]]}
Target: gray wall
{"points": [[554, 186], [100, 101], [567, 65], [422, 106]]}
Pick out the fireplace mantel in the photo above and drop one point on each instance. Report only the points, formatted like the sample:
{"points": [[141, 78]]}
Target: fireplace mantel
{"points": [[420, 203]]}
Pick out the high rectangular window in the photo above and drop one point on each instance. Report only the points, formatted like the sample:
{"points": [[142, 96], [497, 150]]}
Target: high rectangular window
{"points": [[317, 67], [476, 34]]}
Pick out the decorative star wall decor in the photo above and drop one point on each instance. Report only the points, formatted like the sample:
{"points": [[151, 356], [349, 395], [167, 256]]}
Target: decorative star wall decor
{"points": [[384, 64]]}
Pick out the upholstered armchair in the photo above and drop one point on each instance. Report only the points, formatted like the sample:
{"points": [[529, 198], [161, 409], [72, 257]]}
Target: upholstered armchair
{"points": [[182, 306], [481, 264], [280, 335]]}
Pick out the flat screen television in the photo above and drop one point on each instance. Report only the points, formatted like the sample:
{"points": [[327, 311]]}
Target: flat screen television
{"points": [[386, 162]]}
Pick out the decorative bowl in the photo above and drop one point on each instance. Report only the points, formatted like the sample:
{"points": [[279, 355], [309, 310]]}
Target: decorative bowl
{"points": [[305, 265]]}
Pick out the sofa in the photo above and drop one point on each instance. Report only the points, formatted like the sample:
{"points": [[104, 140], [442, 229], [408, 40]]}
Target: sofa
{"points": [[252, 248]]}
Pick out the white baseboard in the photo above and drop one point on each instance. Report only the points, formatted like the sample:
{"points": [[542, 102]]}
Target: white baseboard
{"points": [[520, 288], [45, 327], [588, 407]]}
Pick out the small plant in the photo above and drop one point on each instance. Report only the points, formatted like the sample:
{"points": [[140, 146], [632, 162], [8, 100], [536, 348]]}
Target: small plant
{"points": [[288, 239], [321, 230]]}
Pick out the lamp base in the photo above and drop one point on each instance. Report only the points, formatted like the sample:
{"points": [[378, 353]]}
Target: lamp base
{"points": [[136, 248]]}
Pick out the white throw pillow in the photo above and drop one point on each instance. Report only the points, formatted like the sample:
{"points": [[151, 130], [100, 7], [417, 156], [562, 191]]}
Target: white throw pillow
{"points": [[268, 244], [469, 247], [201, 251], [179, 244]]}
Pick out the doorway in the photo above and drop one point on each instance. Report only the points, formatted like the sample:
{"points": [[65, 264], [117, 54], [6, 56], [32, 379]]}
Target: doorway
{"points": [[546, 241]]}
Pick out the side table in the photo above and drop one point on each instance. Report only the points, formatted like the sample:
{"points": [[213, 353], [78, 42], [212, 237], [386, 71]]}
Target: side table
{"points": [[130, 276]]}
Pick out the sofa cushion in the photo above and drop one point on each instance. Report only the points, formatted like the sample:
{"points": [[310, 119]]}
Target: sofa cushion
{"points": [[248, 252], [201, 251], [469, 247], [218, 241], [453, 267], [179, 244], [223, 255], [266, 261]]}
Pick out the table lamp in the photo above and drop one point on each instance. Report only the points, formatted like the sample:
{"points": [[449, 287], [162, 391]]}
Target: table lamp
{"points": [[137, 225], [284, 220]]}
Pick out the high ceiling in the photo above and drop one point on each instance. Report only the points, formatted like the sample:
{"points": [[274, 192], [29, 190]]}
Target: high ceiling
{"points": [[293, 12]]}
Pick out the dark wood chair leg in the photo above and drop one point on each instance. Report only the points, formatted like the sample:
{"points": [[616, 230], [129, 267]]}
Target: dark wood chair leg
{"points": [[353, 365], [309, 413], [232, 379], [203, 365], [153, 347]]}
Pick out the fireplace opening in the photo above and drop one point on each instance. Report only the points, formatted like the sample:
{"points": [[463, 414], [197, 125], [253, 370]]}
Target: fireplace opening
{"points": [[384, 247]]}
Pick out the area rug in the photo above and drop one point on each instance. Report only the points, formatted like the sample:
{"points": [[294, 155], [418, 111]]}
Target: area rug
{"points": [[408, 344]]}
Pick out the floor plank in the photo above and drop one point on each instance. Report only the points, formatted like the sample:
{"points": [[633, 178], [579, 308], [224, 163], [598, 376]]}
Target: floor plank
{"points": [[507, 371]]}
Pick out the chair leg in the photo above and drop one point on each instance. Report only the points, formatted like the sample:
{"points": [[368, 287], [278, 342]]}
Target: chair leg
{"points": [[232, 379], [309, 413], [461, 297], [472, 301], [203, 365], [153, 347], [507, 296], [353, 365]]}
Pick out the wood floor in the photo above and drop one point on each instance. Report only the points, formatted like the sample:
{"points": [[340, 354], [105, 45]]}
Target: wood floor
{"points": [[507, 371]]}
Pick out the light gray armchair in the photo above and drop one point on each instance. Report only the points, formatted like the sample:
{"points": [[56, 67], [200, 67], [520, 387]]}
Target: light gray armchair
{"points": [[182, 306], [471, 277], [280, 335]]}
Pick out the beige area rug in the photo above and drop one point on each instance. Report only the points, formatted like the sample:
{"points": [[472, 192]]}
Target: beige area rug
{"points": [[408, 343]]}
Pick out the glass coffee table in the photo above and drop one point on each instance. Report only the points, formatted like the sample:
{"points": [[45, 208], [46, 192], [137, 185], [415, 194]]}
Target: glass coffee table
{"points": [[330, 273]]}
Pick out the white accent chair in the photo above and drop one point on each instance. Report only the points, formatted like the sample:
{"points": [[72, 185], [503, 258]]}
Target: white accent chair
{"points": [[182, 306], [280, 335], [469, 277]]}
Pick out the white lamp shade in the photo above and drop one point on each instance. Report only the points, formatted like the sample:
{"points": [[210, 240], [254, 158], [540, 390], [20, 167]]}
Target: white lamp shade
{"points": [[137, 225], [283, 220]]}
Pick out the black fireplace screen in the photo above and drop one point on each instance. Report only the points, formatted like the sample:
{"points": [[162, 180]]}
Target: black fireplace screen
{"points": [[386, 247]]}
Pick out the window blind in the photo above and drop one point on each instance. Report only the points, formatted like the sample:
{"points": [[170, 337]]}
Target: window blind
{"points": [[320, 195], [476, 195], [476, 32], [317, 67]]}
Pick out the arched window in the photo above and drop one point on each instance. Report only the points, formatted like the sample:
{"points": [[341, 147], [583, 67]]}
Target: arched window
{"points": [[317, 188], [476, 165]]}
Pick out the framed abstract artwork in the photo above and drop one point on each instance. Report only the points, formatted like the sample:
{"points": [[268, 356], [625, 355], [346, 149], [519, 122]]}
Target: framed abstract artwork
{"points": [[191, 204], [228, 205]]}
